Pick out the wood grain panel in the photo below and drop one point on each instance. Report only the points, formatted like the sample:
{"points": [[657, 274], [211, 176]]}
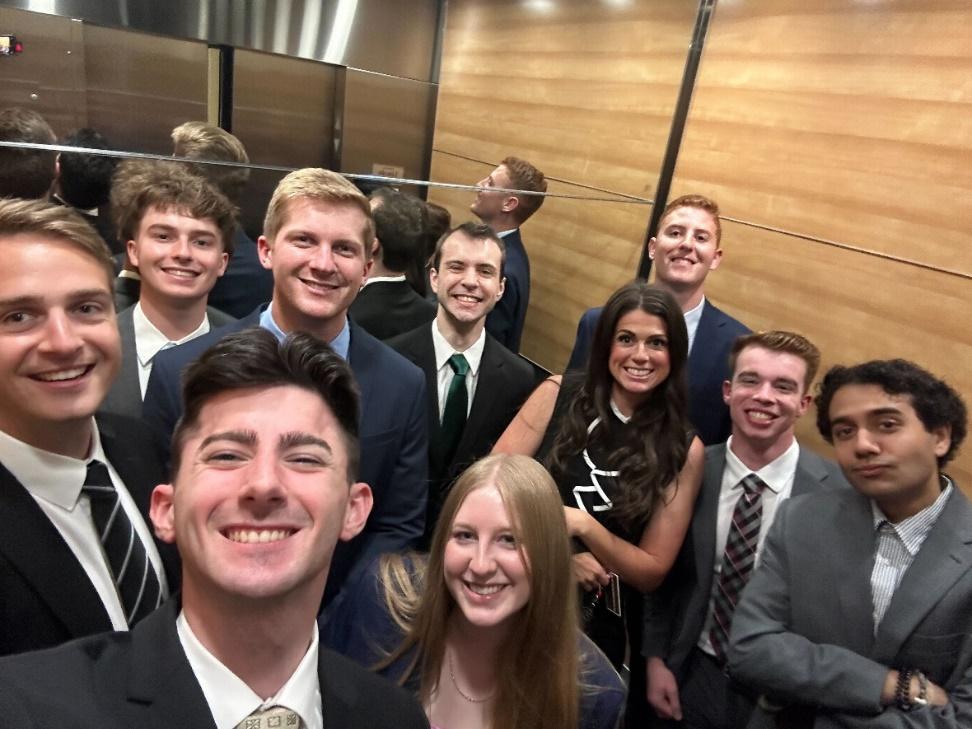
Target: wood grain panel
{"points": [[847, 121], [585, 91], [853, 306]]}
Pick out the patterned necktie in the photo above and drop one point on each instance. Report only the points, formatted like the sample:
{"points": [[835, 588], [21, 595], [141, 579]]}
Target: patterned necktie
{"points": [[276, 717], [135, 579], [737, 561], [457, 405]]}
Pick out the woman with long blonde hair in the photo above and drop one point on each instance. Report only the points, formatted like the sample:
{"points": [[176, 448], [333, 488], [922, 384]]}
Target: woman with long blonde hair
{"points": [[485, 630]]}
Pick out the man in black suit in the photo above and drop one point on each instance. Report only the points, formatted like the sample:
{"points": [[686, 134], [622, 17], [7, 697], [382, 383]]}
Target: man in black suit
{"points": [[83, 181], [686, 620], [246, 284], [467, 277], [685, 250], [387, 305], [178, 230], [73, 489], [265, 470], [505, 212], [317, 241]]}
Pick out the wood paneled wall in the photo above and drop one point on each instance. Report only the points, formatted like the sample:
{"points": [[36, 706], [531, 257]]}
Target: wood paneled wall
{"points": [[585, 91], [843, 127], [847, 125]]}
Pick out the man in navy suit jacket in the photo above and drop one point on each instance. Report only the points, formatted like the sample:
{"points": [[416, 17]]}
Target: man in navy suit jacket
{"points": [[505, 213], [685, 249], [317, 240]]}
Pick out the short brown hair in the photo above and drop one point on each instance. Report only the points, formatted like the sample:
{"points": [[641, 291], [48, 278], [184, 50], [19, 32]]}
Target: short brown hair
{"points": [[139, 185], [696, 201], [316, 183], [199, 140], [476, 231], [26, 173], [41, 218], [255, 358], [525, 176], [779, 341]]}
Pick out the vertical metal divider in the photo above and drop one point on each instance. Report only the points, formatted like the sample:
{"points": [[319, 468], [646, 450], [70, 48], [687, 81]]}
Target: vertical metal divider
{"points": [[677, 130]]}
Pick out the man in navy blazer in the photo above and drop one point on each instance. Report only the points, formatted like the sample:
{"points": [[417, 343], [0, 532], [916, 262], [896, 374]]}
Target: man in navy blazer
{"points": [[317, 241], [505, 213], [858, 615], [264, 485], [768, 391], [685, 249]]}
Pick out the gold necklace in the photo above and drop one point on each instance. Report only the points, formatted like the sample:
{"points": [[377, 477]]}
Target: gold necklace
{"points": [[467, 697]]}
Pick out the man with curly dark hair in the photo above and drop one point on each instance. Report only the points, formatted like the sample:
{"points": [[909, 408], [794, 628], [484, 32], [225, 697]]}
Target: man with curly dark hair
{"points": [[859, 614]]}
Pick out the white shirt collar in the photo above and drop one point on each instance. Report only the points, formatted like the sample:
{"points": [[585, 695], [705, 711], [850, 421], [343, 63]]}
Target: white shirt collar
{"points": [[776, 474], [49, 476], [149, 341], [378, 279], [504, 233], [230, 700], [444, 350]]}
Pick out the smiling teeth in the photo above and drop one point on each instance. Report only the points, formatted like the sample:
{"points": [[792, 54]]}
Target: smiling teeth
{"points": [[640, 372], [257, 536], [760, 416], [485, 589], [180, 273], [62, 375]]}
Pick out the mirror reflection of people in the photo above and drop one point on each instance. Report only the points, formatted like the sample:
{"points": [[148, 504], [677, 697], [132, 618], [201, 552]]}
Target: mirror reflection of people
{"points": [[484, 630], [619, 445]]}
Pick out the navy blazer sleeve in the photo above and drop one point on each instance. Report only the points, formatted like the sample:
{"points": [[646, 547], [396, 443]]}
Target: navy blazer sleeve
{"points": [[582, 342]]}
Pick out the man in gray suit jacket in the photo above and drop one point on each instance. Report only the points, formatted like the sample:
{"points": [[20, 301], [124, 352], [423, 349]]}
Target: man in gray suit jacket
{"points": [[684, 646], [179, 232], [861, 612]]}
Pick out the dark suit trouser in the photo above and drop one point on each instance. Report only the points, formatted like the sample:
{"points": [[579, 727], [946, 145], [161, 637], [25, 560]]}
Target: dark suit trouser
{"points": [[709, 698]]}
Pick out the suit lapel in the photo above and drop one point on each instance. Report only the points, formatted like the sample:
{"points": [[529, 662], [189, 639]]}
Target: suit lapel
{"points": [[338, 695], [162, 690], [944, 557], [810, 473], [698, 363], [704, 521], [855, 562], [128, 387], [32, 544]]}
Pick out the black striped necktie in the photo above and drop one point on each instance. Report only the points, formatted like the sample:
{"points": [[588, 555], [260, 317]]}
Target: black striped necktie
{"points": [[135, 579], [737, 560]]}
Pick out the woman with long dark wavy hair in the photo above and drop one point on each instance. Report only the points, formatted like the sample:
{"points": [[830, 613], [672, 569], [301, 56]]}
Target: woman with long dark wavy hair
{"points": [[619, 445]]}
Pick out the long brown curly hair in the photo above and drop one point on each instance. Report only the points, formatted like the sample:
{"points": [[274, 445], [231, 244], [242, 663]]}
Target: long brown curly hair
{"points": [[655, 442]]}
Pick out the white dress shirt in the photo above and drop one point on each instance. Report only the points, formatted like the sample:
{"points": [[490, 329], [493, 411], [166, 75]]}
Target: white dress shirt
{"points": [[778, 476], [230, 700], [443, 351], [379, 279], [692, 317], [149, 341], [54, 482]]}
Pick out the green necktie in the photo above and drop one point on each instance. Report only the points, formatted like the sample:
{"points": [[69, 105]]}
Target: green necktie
{"points": [[457, 404]]}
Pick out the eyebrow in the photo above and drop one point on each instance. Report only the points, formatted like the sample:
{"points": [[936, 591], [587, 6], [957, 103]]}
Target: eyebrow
{"points": [[295, 439], [243, 437], [36, 300]]}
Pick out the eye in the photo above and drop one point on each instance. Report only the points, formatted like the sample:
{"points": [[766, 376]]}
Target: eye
{"points": [[658, 343], [306, 460], [223, 456], [507, 540], [703, 237], [842, 432], [203, 242], [624, 338], [463, 535], [888, 425], [455, 267], [17, 317], [747, 380]]}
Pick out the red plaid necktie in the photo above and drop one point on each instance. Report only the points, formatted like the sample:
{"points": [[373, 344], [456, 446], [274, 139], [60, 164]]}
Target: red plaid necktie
{"points": [[737, 560]]}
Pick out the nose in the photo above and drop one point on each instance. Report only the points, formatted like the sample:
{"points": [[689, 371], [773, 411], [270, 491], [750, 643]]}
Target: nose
{"points": [[764, 392], [865, 444], [182, 248], [482, 562], [262, 491], [323, 258], [62, 334]]}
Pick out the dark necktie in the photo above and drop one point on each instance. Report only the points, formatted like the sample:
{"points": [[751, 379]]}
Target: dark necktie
{"points": [[135, 579], [457, 404], [737, 560]]}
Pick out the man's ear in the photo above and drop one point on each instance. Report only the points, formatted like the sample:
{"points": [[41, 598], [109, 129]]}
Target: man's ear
{"points": [[375, 248], [434, 280], [943, 439], [360, 501], [726, 391], [651, 249], [161, 511], [263, 251], [131, 250], [510, 204], [502, 288]]}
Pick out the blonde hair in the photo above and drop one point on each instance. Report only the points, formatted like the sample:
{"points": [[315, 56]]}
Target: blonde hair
{"points": [[40, 218], [199, 140], [538, 684], [525, 176], [315, 183]]}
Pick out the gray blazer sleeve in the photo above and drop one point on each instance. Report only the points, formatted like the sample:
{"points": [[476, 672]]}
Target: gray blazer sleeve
{"points": [[765, 654]]}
